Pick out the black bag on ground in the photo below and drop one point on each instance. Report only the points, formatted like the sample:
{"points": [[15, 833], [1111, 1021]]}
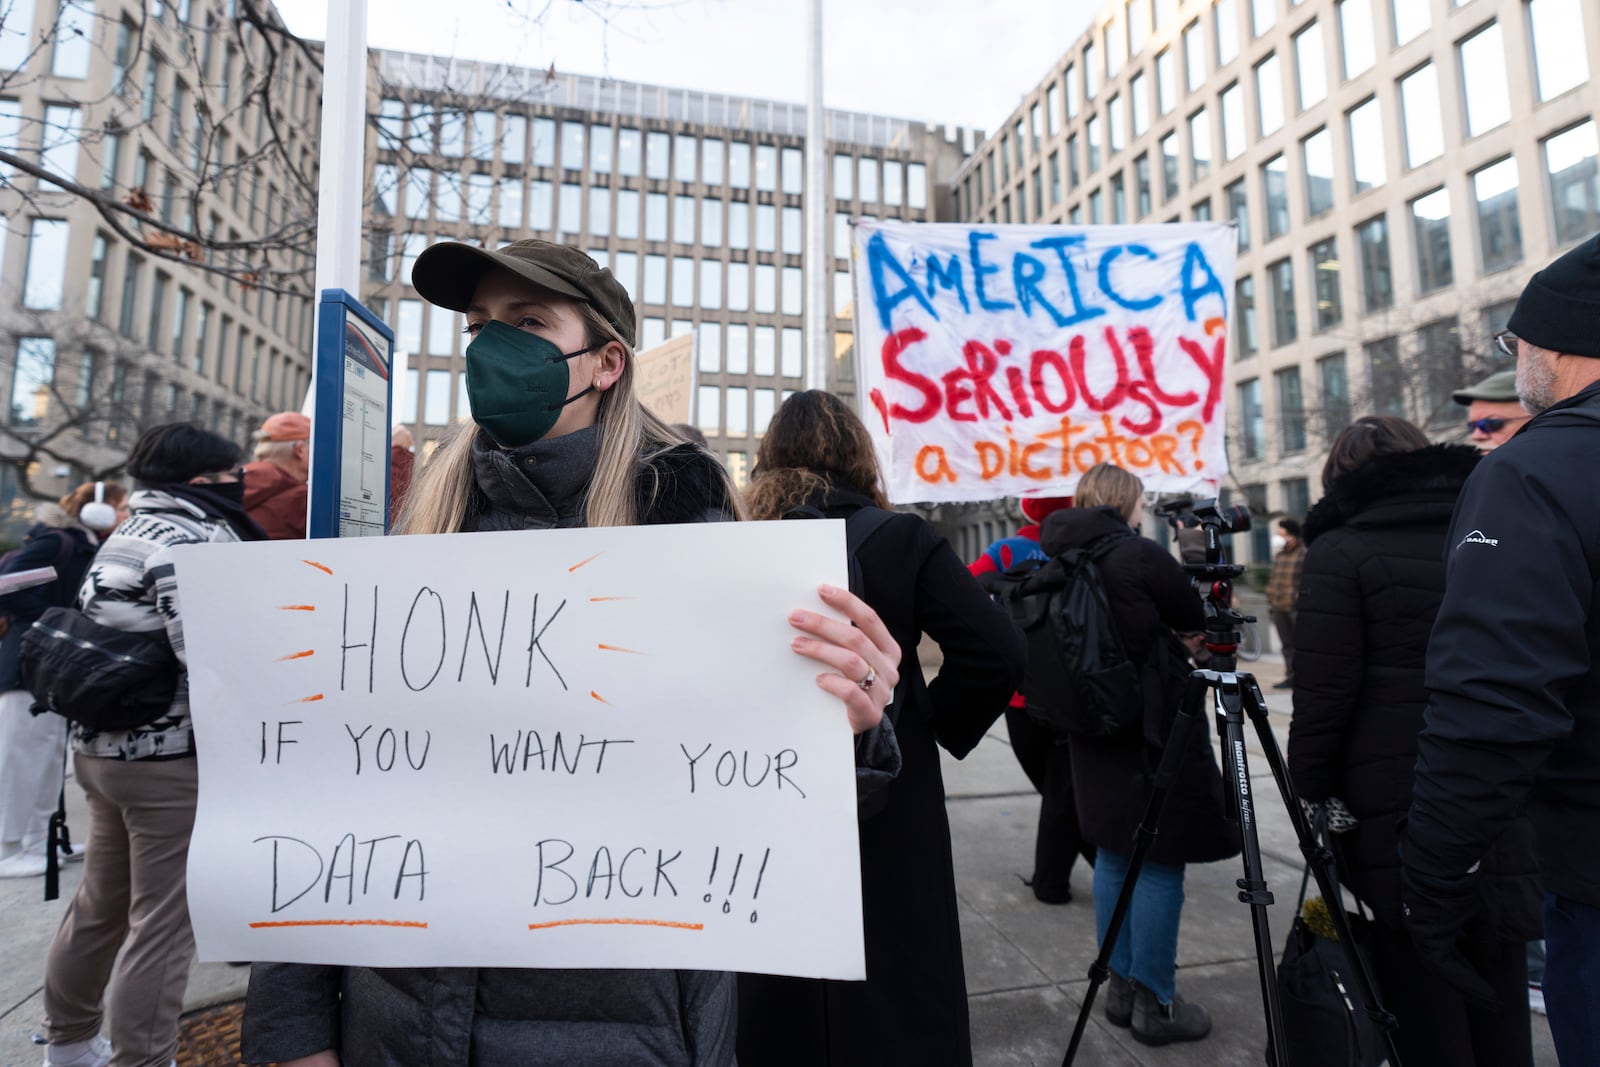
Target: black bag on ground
{"points": [[99, 676], [1325, 1024], [1079, 679]]}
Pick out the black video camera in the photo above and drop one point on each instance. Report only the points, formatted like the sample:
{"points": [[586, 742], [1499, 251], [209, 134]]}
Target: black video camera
{"points": [[1213, 578]]}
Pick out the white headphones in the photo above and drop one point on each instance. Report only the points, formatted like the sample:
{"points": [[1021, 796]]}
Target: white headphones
{"points": [[97, 515]]}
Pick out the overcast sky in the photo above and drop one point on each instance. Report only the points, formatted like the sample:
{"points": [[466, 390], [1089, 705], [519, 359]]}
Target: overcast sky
{"points": [[940, 61]]}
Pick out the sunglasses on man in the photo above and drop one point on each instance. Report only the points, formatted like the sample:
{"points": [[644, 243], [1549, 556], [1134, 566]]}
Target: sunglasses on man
{"points": [[1493, 423], [1506, 342]]}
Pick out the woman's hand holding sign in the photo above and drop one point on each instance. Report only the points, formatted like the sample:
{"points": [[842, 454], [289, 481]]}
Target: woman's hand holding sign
{"points": [[865, 660]]}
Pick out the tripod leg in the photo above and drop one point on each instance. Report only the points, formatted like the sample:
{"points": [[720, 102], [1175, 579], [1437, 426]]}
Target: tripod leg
{"points": [[1320, 859], [1194, 697], [1253, 886]]}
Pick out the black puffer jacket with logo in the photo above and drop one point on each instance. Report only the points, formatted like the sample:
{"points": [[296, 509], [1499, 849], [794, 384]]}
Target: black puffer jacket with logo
{"points": [[1371, 586], [1513, 719]]}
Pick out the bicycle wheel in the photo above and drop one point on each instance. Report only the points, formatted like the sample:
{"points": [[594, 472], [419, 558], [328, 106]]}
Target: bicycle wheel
{"points": [[1249, 642]]}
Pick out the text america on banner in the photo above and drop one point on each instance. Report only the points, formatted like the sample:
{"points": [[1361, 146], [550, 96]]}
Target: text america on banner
{"points": [[1007, 360]]}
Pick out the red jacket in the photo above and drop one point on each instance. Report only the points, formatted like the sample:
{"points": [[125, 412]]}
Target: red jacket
{"points": [[275, 500]]}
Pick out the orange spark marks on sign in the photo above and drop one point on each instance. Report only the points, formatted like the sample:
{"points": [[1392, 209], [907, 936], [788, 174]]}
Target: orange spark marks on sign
{"points": [[312, 699], [618, 648], [297, 607], [591, 559], [617, 922], [338, 922], [319, 566], [297, 655], [600, 698]]}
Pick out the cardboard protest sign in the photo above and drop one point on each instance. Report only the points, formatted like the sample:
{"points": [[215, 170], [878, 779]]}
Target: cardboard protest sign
{"points": [[561, 748], [664, 379], [1007, 360]]}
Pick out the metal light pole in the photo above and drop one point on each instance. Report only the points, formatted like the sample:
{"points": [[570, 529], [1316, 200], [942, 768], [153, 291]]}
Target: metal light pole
{"points": [[818, 204], [343, 147]]}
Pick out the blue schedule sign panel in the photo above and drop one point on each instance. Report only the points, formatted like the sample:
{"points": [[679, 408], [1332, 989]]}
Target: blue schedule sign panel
{"points": [[350, 425]]}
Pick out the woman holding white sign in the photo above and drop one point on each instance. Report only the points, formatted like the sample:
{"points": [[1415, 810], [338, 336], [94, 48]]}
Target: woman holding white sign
{"points": [[557, 439]]}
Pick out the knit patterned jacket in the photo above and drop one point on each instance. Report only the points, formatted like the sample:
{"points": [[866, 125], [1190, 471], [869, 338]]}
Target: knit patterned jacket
{"points": [[131, 586]]}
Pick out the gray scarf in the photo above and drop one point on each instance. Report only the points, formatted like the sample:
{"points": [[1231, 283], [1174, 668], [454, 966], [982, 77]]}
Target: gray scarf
{"points": [[535, 487]]}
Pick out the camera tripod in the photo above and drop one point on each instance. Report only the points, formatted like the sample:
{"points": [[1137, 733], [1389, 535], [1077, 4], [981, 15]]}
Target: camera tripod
{"points": [[1234, 696]]}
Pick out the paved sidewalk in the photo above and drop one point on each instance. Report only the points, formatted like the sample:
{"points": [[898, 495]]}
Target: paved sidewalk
{"points": [[1025, 961]]}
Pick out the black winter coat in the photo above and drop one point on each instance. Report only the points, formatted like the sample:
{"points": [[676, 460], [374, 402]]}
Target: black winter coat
{"points": [[42, 548], [912, 1009], [1150, 597], [1369, 590], [1513, 717]]}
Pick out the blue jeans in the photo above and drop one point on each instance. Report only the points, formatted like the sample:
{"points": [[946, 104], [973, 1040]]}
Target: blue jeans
{"points": [[1572, 977], [1147, 947]]}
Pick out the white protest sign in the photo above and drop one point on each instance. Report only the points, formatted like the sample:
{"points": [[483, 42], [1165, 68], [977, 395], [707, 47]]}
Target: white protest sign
{"points": [[1007, 360], [559, 748], [663, 379]]}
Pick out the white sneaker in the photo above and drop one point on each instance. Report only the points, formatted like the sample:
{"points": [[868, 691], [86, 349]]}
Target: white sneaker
{"points": [[23, 865], [96, 1052], [75, 856]]}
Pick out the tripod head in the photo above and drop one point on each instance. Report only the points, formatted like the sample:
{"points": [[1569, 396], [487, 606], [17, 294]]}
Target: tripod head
{"points": [[1212, 575]]}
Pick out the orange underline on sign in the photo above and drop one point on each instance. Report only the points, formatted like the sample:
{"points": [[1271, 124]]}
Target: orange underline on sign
{"points": [[312, 699], [319, 566], [618, 922], [600, 698], [297, 607], [603, 599], [297, 655], [615, 648], [591, 559], [338, 922]]}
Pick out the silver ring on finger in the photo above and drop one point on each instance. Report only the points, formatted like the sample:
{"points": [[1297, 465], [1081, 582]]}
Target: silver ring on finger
{"points": [[865, 685]]}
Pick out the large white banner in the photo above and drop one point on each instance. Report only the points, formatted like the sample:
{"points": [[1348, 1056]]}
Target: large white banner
{"points": [[562, 748], [1007, 360]]}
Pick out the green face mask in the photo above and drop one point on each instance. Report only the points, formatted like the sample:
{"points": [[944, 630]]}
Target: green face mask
{"points": [[517, 383]]}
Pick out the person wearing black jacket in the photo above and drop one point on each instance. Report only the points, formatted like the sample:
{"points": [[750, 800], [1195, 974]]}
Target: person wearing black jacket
{"points": [[912, 1008], [1151, 601], [1371, 585], [1513, 719]]}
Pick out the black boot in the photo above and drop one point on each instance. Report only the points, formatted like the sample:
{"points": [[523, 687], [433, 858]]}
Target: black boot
{"points": [[1155, 1023], [1119, 1000]]}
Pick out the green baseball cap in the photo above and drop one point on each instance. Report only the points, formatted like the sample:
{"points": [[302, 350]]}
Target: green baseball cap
{"points": [[1499, 386], [448, 273]]}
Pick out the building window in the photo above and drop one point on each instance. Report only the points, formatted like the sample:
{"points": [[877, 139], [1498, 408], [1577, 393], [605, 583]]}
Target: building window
{"points": [[711, 284], [684, 164], [1365, 123], [1201, 212], [95, 301], [1296, 496], [1419, 112], [1355, 32], [844, 170], [1052, 108], [541, 202], [600, 149], [571, 148], [708, 347], [738, 349], [1227, 15], [738, 413], [1499, 228], [682, 282], [1169, 167], [1239, 211], [511, 202], [766, 296], [1069, 79], [1091, 72], [766, 228], [1119, 200], [793, 228], [766, 168], [1560, 51], [1316, 152], [765, 353], [1072, 161], [1385, 378], [158, 300], [1483, 63], [655, 216], [625, 267], [514, 139], [1092, 139], [1166, 82], [1410, 20], [1439, 356], [46, 273], [1574, 180], [1233, 134], [1430, 230], [1377, 275], [1199, 145], [917, 186], [570, 219], [711, 223], [180, 323], [1291, 412], [738, 225], [1275, 186], [655, 279], [1141, 178], [31, 381], [738, 287], [1252, 423], [683, 228], [1194, 57], [1333, 386], [1323, 262], [1310, 66], [1263, 16], [711, 161], [1247, 343], [893, 179], [629, 152], [1269, 94], [1285, 327], [59, 140]]}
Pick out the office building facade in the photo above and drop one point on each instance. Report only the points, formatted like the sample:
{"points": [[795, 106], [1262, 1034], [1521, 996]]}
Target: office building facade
{"points": [[695, 201], [1396, 170]]}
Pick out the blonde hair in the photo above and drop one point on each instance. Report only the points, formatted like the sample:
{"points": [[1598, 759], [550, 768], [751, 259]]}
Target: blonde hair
{"points": [[1108, 485], [630, 439]]}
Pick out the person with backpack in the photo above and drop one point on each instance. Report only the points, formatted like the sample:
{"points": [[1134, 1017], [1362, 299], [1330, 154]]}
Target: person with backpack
{"points": [[817, 458], [141, 783], [1151, 603], [33, 747], [1040, 750]]}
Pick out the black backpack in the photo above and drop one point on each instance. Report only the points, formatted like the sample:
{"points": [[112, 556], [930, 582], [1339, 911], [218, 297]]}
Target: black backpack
{"points": [[1080, 680], [97, 675]]}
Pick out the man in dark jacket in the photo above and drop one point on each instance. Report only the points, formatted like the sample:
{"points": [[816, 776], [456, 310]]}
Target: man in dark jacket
{"points": [[1514, 667]]}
